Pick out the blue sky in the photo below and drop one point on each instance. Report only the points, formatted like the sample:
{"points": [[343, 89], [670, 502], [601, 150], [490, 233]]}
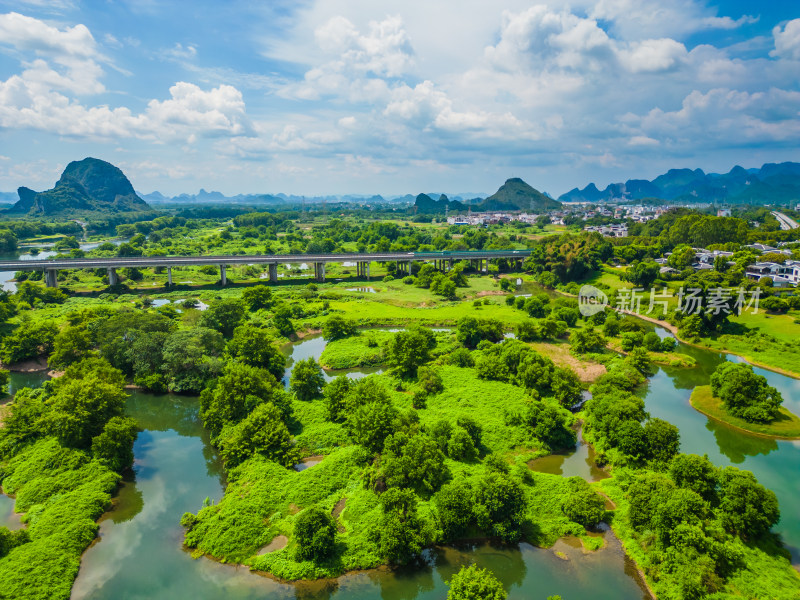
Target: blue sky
{"points": [[397, 96]]}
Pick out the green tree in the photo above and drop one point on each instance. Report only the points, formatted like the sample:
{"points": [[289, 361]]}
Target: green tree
{"points": [[335, 394], [682, 257], [461, 446], [11, 539], [470, 331], [582, 505], [236, 393], [191, 358], [652, 342], [261, 432], [545, 422], [681, 507], [401, 533], [29, 340], [745, 394], [282, 321], [645, 494], [662, 438], [413, 462], [429, 380], [411, 348], [500, 506], [70, 345], [566, 387], [257, 297], [641, 361], [307, 379], [315, 534], [642, 274], [691, 327], [472, 583], [454, 512], [114, 446], [118, 332], [224, 316], [146, 353], [8, 241], [371, 423], [747, 508], [695, 473], [337, 327], [443, 286], [528, 331], [587, 340], [254, 346], [81, 408]]}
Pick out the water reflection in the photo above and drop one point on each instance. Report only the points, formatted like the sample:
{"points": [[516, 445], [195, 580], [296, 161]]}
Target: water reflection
{"points": [[737, 447], [774, 462], [8, 517], [312, 347], [579, 462]]}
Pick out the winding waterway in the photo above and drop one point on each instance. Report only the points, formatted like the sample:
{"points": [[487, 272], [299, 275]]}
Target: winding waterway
{"points": [[139, 555]]}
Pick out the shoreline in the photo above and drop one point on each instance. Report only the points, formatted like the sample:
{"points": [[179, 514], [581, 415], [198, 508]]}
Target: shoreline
{"points": [[674, 331], [640, 578], [738, 427]]}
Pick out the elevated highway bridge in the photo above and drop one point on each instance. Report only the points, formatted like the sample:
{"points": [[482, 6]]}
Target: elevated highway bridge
{"points": [[443, 260]]}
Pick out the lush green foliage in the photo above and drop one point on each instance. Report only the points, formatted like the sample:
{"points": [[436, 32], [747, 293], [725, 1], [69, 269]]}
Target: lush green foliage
{"points": [[315, 534], [307, 379], [472, 583], [337, 328], [62, 484], [745, 394], [411, 348], [255, 347]]}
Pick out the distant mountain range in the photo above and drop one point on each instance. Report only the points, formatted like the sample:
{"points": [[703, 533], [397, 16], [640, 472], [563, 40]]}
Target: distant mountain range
{"points": [[204, 197], [771, 184], [86, 186], [514, 194]]}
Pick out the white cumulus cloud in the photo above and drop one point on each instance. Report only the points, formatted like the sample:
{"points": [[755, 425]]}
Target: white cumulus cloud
{"points": [[787, 40]]}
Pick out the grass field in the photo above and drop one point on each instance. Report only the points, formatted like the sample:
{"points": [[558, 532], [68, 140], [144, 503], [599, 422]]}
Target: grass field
{"points": [[786, 426]]}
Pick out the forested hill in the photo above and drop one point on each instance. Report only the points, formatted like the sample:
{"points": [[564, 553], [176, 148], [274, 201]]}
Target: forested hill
{"points": [[88, 186], [772, 183], [514, 194]]}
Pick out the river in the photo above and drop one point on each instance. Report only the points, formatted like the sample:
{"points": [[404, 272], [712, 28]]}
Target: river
{"points": [[7, 277], [138, 554]]}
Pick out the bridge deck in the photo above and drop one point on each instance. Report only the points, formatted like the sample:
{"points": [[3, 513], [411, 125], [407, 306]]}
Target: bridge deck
{"points": [[176, 261]]}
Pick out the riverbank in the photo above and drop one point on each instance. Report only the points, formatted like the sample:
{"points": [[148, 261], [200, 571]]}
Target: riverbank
{"points": [[674, 331], [785, 427]]}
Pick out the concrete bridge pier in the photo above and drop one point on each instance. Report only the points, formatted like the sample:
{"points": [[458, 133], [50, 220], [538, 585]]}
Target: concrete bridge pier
{"points": [[485, 265], [51, 278], [169, 276], [273, 272], [362, 269], [223, 275], [319, 271], [113, 278], [403, 267]]}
